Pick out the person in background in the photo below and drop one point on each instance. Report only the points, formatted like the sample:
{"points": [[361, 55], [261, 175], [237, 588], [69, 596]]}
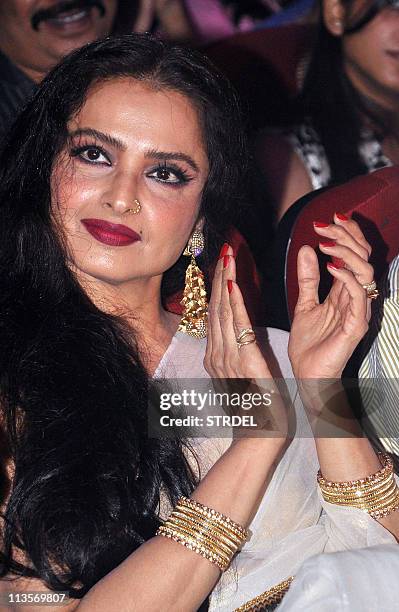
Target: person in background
{"points": [[35, 36], [214, 20], [129, 157], [379, 371], [347, 122]]}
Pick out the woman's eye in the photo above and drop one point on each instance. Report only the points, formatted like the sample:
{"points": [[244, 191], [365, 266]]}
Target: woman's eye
{"points": [[94, 155], [166, 176], [91, 155], [169, 175]]}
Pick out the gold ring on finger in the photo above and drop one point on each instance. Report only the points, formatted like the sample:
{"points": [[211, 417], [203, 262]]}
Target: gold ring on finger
{"points": [[245, 332], [244, 342], [371, 290]]}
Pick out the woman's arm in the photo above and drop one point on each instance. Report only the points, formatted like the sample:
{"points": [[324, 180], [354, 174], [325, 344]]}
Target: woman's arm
{"points": [[323, 337], [162, 574], [286, 176]]}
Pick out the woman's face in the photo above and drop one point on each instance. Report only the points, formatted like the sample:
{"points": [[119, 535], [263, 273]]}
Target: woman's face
{"points": [[129, 142], [371, 54]]}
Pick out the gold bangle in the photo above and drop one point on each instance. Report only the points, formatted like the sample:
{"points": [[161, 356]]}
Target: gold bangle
{"points": [[205, 528], [205, 536], [209, 533], [201, 542], [387, 468], [193, 545], [215, 516], [235, 540], [377, 494], [360, 496], [369, 487]]}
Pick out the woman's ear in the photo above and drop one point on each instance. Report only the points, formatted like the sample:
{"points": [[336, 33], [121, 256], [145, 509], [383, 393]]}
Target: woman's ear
{"points": [[334, 16], [200, 224]]}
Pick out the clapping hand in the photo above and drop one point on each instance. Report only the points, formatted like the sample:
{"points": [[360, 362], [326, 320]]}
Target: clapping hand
{"points": [[324, 336]]}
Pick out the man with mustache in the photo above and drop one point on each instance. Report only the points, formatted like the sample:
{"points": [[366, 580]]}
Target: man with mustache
{"points": [[36, 34]]}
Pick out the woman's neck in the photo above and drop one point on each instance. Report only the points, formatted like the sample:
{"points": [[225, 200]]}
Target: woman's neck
{"points": [[138, 303]]}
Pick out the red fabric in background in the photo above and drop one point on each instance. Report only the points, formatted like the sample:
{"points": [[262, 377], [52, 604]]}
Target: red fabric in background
{"points": [[276, 49], [247, 279]]}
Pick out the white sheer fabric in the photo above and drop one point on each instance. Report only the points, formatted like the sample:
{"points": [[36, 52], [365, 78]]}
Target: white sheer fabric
{"points": [[347, 581], [293, 522]]}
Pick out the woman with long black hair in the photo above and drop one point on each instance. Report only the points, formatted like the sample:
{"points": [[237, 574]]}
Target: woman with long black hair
{"points": [[348, 109], [129, 156]]}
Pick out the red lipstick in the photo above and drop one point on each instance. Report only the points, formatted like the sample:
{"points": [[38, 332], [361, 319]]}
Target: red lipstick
{"points": [[112, 234]]}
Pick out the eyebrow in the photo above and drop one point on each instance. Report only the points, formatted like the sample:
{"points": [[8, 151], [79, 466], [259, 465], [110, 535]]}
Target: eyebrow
{"points": [[102, 136], [165, 155], [151, 154]]}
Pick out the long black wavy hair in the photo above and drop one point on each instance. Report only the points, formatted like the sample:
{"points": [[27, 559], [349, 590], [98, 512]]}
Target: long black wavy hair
{"points": [[73, 391], [335, 107]]}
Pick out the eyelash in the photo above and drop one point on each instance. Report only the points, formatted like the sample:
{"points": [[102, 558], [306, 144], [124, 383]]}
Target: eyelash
{"points": [[77, 152], [182, 176]]}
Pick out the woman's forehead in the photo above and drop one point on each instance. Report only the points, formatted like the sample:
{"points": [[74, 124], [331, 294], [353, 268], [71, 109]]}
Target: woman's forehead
{"points": [[127, 104], [132, 116]]}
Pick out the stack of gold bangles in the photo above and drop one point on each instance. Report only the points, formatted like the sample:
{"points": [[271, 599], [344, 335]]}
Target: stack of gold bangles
{"points": [[205, 531], [377, 494]]}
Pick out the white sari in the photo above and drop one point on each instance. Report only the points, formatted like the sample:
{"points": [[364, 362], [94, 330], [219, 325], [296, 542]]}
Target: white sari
{"points": [[293, 522]]}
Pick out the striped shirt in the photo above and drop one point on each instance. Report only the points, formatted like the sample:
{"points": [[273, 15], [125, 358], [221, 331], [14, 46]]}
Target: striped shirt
{"points": [[380, 393], [15, 90]]}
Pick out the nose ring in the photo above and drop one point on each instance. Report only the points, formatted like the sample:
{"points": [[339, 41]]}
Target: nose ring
{"points": [[135, 210]]}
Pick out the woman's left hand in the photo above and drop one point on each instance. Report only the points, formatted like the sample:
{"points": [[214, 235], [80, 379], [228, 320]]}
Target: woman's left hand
{"points": [[324, 336]]}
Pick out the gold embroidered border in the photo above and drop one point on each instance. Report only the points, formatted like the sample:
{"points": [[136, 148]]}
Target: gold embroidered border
{"points": [[269, 597]]}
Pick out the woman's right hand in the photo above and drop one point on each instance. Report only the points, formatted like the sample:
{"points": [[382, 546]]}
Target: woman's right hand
{"points": [[227, 317], [224, 359]]}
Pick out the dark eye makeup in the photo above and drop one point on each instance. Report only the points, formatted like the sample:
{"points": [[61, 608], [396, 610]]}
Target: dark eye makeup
{"points": [[170, 174], [93, 153], [165, 172]]}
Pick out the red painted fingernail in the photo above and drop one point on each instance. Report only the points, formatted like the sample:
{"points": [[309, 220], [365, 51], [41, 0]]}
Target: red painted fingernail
{"points": [[225, 261], [230, 285], [331, 266], [328, 244], [223, 250], [338, 263], [320, 224], [341, 216]]}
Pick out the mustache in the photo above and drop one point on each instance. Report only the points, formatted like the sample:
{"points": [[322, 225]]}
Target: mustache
{"points": [[62, 7]]}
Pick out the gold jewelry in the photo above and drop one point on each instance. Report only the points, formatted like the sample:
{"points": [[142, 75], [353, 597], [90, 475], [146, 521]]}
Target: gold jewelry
{"points": [[245, 332], [194, 317], [215, 516], [231, 538], [248, 331], [205, 531], [371, 290], [194, 546], [272, 596], [377, 494], [136, 209]]}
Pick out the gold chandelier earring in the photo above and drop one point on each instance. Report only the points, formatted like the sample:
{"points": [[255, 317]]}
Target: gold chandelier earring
{"points": [[194, 317]]}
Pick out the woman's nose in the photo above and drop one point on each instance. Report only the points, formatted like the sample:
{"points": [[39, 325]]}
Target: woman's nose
{"points": [[122, 195]]}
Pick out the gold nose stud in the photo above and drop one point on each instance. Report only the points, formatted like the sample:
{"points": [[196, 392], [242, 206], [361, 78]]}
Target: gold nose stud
{"points": [[135, 210]]}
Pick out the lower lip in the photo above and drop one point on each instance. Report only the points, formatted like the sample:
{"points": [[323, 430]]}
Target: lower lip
{"points": [[108, 237], [71, 24]]}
